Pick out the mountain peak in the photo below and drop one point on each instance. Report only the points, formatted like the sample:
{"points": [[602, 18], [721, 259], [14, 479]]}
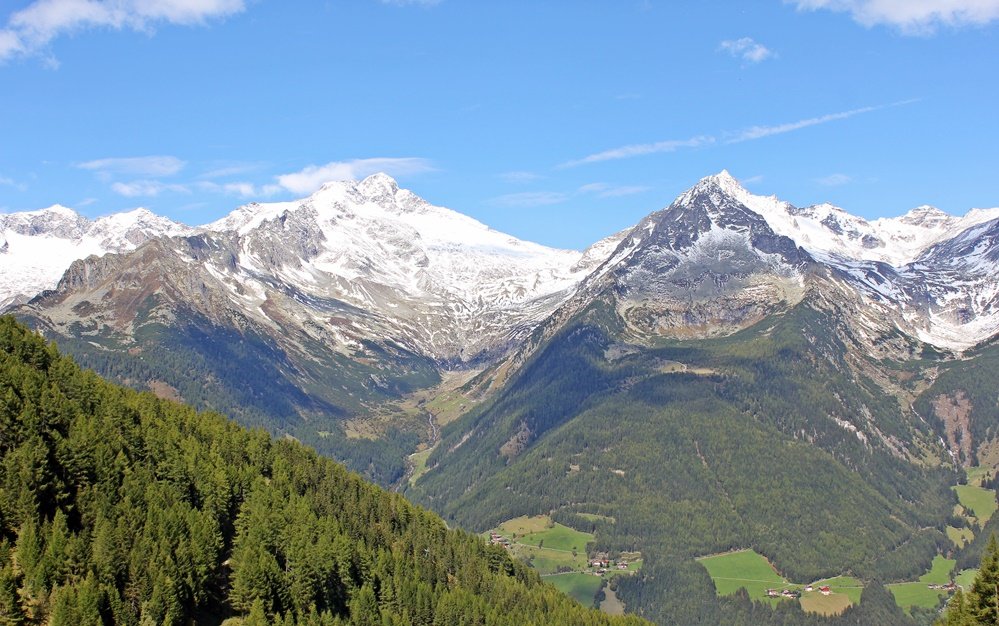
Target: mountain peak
{"points": [[379, 185], [925, 215], [725, 181]]}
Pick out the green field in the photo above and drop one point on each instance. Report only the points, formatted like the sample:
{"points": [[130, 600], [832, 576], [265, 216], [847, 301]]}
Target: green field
{"points": [[960, 536], [558, 537], [908, 595], [748, 569], [845, 585], [581, 587], [419, 461], [548, 547], [981, 502], [939, 571], [548, 561], [976, 474], [965, 578], [743, 569], [833, 604]]}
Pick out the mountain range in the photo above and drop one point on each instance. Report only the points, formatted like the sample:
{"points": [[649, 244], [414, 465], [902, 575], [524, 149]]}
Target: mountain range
{"points": [[683, 387]]}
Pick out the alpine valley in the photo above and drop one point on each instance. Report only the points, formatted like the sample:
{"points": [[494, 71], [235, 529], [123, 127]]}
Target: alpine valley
{"points": [[733, 372]]}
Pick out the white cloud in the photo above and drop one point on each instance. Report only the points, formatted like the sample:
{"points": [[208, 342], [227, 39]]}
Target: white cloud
{"points": [[146, 188], [834, 180], [752, 180], [910, 16], [520, 178], [242, 189], [10, 182], [225, 170], [148, 166], [605, 190], [528, 199], [312, 177], [31, 29], [759, 132], [746, 49], [625, 152], [748, 134]]}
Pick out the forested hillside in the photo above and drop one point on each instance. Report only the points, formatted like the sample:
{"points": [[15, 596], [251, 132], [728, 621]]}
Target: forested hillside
{"points": [[117, 507], [686, 449]]}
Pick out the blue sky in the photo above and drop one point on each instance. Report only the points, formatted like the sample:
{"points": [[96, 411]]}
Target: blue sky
{"points": [[560, 122]]}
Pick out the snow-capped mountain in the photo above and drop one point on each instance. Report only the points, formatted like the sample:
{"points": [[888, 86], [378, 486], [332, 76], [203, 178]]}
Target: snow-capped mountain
{"points": [[37, 247], [452, 286], [930, 274], [824, 229]]}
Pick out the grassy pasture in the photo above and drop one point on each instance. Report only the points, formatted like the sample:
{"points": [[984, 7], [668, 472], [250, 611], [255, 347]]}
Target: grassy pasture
{"points": [[939, 572], [980, 501], [966, 577], [833, 604], [743, 569], [419, 460], [558, 538], [581, 587], [908, 595], [977, 474], [548, 561], [844, 585], [960, 536]]}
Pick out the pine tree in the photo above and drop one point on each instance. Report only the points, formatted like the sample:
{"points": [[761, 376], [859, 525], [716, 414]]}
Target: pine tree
{"points": [[985, 590]]}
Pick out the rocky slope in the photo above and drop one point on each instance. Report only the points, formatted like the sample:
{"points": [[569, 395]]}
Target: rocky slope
{"points": [[36, 247]]}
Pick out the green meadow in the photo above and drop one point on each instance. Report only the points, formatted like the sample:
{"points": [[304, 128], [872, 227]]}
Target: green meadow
{"points": [[743, 569], [582, 587], [979, 501]]}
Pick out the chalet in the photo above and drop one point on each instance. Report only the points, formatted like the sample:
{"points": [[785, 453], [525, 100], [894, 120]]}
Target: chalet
{"points": [[825, 590], [773, 593], [809, 588], [791, 593], [950, 587], [622, 566]]}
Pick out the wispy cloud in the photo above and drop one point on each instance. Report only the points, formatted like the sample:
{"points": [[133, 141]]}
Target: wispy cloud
{"points": [[746, 49], [747, 134], [241, 189], [910, 16], [606, 190], [759, 132], [834, 180], [527, 199], [225, 170], [146, 188], [30, 30], [311, 178], [520, 177], [147, 166], [640, 149], [10, 182]]}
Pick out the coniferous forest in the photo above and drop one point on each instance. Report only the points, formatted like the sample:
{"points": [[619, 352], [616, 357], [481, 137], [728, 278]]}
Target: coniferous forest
{"points": [[118, 507]]}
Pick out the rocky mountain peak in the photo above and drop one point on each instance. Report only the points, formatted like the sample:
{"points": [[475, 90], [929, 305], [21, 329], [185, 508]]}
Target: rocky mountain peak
{"points": [[926, 215]]}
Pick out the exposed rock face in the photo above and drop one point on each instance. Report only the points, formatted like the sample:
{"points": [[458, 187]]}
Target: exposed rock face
{"points": [[955, 413], [38, 246]]}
